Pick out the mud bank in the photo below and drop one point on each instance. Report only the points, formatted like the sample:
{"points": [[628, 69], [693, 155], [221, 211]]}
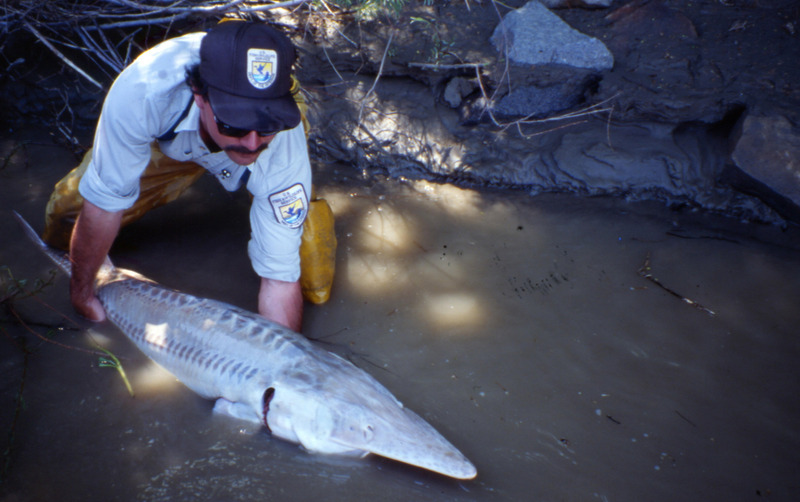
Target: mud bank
{"points": [[700, 107], [694, 104]]}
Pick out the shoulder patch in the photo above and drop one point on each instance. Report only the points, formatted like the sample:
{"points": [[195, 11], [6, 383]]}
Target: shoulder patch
{"points": [[290, 205]]}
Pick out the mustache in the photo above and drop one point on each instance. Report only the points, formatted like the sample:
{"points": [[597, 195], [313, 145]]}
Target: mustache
{"points": [[245, 151]]}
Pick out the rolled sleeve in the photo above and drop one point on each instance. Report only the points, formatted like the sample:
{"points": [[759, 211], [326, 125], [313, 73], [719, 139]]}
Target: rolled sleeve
{"points": [[281, 186], [97, 191], [132, 114], [273, 248]]}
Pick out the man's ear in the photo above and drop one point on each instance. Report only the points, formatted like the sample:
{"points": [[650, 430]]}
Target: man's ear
{"points": [[200, 100]]}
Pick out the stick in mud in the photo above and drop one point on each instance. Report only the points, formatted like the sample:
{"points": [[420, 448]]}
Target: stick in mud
{"points": [[644, 271]]}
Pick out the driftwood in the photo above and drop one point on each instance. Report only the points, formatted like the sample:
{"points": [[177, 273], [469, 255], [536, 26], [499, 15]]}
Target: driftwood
{"points": [[647, 272]]}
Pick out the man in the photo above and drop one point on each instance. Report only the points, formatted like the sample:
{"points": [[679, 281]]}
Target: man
{"points": [[223, 101]]}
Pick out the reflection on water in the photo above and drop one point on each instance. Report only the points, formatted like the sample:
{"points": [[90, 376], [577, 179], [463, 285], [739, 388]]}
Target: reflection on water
{"points": [[521, 328]]}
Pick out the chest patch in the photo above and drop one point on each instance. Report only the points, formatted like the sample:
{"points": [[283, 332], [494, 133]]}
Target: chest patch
{"points": [[290, 205]]}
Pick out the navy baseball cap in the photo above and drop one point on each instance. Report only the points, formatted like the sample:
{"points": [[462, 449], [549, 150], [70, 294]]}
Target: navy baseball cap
{"points": [[248, 67]]}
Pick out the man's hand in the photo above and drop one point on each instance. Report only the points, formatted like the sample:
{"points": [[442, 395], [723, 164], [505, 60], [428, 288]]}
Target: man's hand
{"points": [[92, 237], [87, 305]]}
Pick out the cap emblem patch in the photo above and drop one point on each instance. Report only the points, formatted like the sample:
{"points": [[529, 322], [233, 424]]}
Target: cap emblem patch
{"points": [[261, 67]]}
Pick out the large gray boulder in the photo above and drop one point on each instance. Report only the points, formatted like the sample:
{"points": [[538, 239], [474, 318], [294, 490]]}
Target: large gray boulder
{"points": [[769, 150], [533, 35], [768, 153]]}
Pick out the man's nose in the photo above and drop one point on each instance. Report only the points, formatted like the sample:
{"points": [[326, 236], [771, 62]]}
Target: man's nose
{"points": [[251, 140]]}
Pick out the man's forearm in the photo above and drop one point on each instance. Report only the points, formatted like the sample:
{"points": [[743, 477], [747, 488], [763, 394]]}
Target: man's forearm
{"points": [[92, 237], [281, 302]]}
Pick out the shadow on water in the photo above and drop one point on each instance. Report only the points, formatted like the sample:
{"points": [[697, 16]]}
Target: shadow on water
{"points": [[522, 328]]}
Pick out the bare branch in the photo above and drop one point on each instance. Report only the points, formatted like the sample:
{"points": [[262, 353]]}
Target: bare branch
{"points": [[60, 55], [436, 66], [377, 77]]}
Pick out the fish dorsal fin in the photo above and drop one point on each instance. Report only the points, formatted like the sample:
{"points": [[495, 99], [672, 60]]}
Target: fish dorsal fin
{"points": [[107, 271]]}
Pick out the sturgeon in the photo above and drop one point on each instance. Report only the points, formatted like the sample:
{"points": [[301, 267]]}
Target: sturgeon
{"points": [[260, 371]]}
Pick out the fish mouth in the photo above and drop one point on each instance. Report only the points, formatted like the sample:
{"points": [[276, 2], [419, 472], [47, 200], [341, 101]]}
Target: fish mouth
{"points": [[265, 400], [411, 440]]}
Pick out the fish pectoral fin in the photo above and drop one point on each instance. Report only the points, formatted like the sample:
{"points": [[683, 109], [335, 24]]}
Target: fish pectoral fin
{"points": [[236, 410]]}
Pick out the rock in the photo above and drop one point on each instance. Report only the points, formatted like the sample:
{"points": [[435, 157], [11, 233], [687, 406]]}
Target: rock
{"points": [[533, 35], [746, 184], [455, 91], [536, 93], [638, 21], [769, 151], [535, 102]]}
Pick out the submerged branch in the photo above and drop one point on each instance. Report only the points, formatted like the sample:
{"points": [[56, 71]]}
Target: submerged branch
{"points": [[645, 271]]}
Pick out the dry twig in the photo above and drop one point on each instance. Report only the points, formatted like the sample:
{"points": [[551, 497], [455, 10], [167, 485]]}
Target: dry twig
{"points": [[61, 56], [377, 77]]}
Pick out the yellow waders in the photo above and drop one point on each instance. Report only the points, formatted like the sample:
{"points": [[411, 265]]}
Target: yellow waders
{"points": [[165, 179]]}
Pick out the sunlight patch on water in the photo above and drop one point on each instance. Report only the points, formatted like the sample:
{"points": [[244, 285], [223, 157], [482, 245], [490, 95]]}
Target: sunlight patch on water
{"points": [[382, 272], [151, 378], [384, 229], [97, 338], [454, 310], [340, 202], [374, 273], [461, 202]]}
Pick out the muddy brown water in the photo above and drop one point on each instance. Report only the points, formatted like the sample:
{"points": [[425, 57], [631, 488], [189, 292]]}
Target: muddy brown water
{"points": [[522, 328]]}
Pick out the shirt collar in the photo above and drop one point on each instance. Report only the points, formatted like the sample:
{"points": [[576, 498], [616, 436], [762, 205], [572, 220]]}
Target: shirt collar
{"points": [[192, 120]]}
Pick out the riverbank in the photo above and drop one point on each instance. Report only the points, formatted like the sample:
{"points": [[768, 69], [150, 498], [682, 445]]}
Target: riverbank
{"points": [[700, 109]]}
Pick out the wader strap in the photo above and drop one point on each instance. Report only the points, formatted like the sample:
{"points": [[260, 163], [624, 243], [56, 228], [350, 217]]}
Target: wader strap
{"points": [[170, 134]]}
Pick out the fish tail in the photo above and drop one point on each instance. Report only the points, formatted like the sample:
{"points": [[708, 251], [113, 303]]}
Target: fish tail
{"points": [[59, 258]]}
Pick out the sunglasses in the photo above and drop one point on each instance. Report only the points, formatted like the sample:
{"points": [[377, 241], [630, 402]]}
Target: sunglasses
{"points": [[235, 132]]}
